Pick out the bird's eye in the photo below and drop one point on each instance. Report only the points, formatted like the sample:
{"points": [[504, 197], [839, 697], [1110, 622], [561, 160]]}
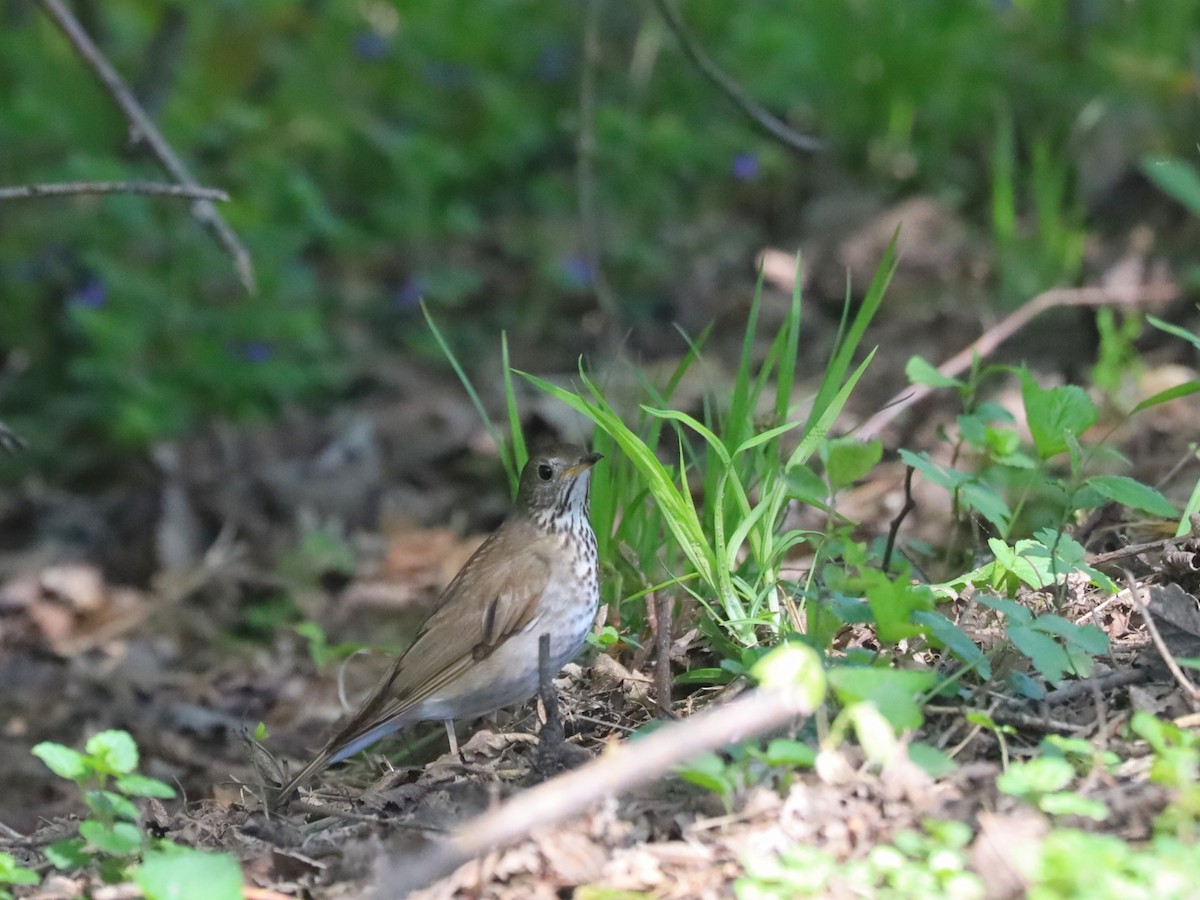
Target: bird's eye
{"points": [[544, 472]]}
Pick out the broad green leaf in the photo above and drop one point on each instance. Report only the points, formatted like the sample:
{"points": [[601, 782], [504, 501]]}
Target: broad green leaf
{"points": [[123, 839], [1176, 178], [1055, 415], [187, 874], [113, 752], [1046, 654], [68, 854], [143, 786], [918, 371], [893, 691], [793, 667], [954, 639], [110, 805], [1036, 777], [12, 873], [893, 601], [931, 760], [62, 761], [848, 459], [709, 771], [788, 752], [1133, 494]]}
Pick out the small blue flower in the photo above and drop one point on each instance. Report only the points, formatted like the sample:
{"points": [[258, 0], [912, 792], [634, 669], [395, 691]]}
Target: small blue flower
{"points": [[254, 352], [744, 167], [408, 296], [371, 46], [554, 62], [92, 295], [576, 271]]}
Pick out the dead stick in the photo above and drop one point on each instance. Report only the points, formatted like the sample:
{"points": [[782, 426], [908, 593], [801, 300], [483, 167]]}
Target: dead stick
{"points": [[621, 769], [990, 340], [72, 188], [146, 130]]}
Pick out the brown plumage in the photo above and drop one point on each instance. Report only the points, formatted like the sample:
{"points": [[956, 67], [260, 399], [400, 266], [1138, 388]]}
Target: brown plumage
{"points": [[478, 651]]}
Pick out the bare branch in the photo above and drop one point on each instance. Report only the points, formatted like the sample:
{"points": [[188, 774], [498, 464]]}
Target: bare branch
{"points": [[741, 98], [619, 770], [144, 129], [990, 340], [71, 188]]}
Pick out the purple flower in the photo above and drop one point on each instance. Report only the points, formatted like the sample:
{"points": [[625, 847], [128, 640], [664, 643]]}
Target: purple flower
{"points": [[254, 352], [576, 271], [92, 295], [408, 296], [554, 62], [744, 167], [371, 46]]}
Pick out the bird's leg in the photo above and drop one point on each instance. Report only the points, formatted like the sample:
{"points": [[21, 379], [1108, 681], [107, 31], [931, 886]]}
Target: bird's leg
{"points": [[453, 738], [552, 733]]}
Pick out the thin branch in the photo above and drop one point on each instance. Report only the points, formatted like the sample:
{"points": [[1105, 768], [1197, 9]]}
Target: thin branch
{"points": [[909, 505], [724, 82], [1143, 606], [144, 129], [621, 769], [990, 340], [71, 188]]}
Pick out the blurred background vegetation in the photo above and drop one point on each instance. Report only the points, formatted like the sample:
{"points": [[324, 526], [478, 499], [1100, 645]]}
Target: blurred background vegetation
{"points": [[380, 152]]}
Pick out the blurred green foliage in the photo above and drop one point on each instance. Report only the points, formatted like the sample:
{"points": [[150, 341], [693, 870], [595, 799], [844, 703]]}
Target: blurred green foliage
{"points": [[381, 151]]}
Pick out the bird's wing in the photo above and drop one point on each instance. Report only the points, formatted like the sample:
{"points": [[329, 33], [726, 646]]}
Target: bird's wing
{"points": [[493, 597]]}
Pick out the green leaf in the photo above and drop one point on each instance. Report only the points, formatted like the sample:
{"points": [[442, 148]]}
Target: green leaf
{"points": [[791, 753], [954, 639], [187, 874], [1046, 654], [1167, 395], [893, 601], [1176, 178], [793, 667], [1036, 777], [1133, 494], [68, 854], [709, 771], [62, 761], [1055, 414], [12, 873], [848, 459], [893, 691], [108, 805], [113, 752], [1014, 611], [918, 371], [122, 839], [142, 786], [931, 760]]}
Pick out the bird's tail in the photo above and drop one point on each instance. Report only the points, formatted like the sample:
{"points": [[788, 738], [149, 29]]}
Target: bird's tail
{"points": [[279, 797]]}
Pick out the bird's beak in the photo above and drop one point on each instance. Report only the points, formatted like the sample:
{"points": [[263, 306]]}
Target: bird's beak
{"points": [[588, 461]]}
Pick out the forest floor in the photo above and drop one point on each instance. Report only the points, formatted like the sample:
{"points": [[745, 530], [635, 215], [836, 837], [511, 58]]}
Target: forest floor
{"points": [[163, 603]]}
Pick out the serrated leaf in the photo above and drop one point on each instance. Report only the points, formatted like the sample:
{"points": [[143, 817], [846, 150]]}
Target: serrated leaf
{"points": [[113, 752], [1056, 415], [62, 761], [1046, 654], [1133, 494], [953, 639]]}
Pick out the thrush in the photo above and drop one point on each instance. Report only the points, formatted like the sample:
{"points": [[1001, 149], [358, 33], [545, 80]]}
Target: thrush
{"points": [[478, 651]]}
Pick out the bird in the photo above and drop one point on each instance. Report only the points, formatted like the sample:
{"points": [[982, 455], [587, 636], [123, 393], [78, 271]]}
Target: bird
{"points": [[537, 574]]}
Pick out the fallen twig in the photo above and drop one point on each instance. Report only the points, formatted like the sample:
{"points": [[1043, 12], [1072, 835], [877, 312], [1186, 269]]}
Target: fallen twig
{"points": [[144, 129], [72, 188], [987, 343], [620, 769]]}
